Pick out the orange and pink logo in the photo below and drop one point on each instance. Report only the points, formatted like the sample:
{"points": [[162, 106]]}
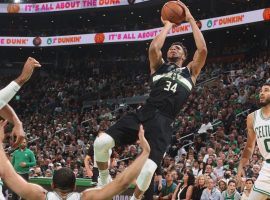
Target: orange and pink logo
{"points": [[99, 38]]}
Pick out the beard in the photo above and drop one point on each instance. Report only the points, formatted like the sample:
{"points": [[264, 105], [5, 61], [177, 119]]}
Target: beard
{"points": [[265, 103], [173, 59]]}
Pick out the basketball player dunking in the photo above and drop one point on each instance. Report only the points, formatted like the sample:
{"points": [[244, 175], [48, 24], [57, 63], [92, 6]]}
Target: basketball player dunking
{"points": [[258, 127], [171, 86]]}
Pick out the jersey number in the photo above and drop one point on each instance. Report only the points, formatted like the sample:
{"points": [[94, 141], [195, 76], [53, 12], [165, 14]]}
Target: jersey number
{"points": [[266, 141], [170, 87]]}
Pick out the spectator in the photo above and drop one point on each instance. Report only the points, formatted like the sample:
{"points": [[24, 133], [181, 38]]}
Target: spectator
{"points": [[209, 172], [219, 169], [211, 192], [48, 173], [228, 175], [22, 160], [196, 168], [247, 189], [210, 152], [199, 143], [90, 165], [231, 192], [168, 187], [184, 190], [200, 185], [222, 185]]}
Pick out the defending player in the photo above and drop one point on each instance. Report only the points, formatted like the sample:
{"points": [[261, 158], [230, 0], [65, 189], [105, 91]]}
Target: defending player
{"points": [[258, 129]]}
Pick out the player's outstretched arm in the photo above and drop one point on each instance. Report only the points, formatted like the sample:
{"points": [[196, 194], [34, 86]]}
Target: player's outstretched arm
{"points": [[249, 148], [155, 54], [12, 179], [7, 93], [123, 180], [200, 55]]}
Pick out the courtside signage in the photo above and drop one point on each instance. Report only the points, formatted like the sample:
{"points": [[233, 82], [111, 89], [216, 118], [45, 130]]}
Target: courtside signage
{"points": [[132, 36], [63, 5]]}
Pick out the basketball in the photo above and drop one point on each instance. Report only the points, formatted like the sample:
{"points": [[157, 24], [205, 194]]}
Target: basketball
{"points": [[173, 12], [266, 14], [99, 38], [13, 8], [37, 41]]}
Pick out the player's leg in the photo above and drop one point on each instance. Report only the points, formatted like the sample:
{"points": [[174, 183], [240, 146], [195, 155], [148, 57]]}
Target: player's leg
{"points": [[257, 195], [158, 136], [260, 190], [144, 179], [125, 131], [102, 151]]}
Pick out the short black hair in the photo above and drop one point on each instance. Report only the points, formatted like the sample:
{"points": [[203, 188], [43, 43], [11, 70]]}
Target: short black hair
{"points": [[250, 179], [267, 83], [232, 181], [183, 47], [64, 179]]}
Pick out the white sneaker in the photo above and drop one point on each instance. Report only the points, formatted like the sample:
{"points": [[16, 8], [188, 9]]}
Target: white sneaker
{"points": [[101, 184]]}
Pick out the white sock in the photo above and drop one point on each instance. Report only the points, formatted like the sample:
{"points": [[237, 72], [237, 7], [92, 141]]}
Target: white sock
{"points": [[104, 174], [134, 198]]}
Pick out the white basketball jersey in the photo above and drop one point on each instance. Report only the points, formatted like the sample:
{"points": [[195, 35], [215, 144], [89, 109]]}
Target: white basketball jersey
{"points": [[70, 196], [261, 126]]}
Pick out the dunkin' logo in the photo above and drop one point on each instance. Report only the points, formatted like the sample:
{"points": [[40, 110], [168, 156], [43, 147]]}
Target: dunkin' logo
{"points": [[266, 14], [37, 41], [13, 8], [99, 38]]}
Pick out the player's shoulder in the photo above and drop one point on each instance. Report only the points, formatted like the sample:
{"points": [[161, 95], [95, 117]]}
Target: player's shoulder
{"points": [[251, 116]]}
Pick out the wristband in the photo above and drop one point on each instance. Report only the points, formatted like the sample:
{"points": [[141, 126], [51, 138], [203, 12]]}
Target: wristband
{"points": [[7, 93]]}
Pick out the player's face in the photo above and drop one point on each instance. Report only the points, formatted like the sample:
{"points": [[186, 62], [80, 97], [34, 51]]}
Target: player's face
{"points": [[265, 95], [175, 53]]}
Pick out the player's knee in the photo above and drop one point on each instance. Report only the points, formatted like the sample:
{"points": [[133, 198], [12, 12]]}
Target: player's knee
{"points": [[145, 177], [102, 147], [103, 141]]}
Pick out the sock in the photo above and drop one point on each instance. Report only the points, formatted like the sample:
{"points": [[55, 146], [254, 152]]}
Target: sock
{"points": [[104, 174], [134, 198]]}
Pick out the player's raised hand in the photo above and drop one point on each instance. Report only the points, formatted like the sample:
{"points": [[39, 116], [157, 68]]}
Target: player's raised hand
{"points": [[167, 22], [240, 173], [189, 16], [27, 71], [143, 142]]}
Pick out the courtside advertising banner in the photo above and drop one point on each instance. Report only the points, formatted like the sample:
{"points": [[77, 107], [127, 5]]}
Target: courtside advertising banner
{"points": [[134, 36], [63, 5]]}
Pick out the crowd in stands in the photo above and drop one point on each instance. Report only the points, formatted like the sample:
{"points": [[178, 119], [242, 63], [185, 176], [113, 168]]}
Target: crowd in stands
{"points": [[210, 131]]}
